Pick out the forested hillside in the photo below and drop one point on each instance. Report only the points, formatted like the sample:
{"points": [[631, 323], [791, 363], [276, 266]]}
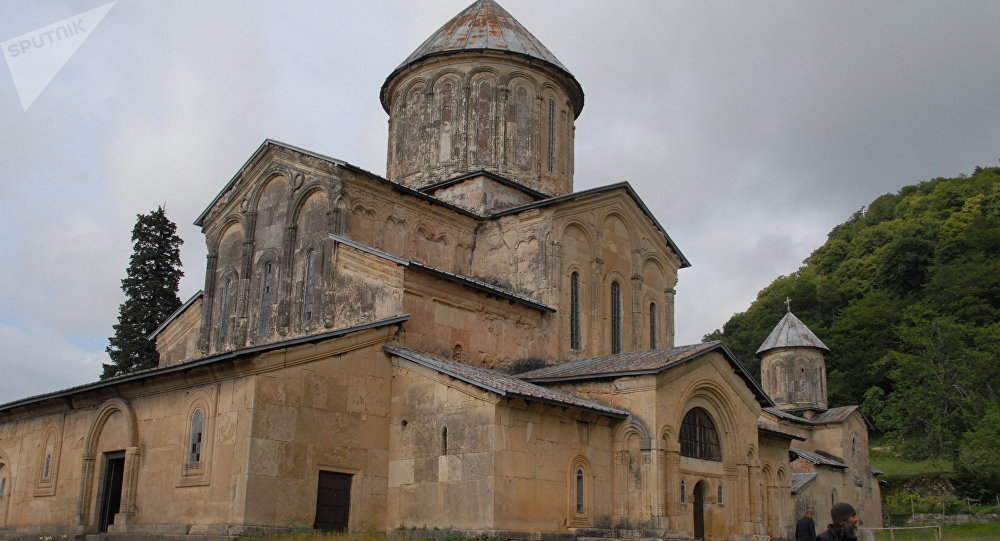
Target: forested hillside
{"points": [[906, 293]]}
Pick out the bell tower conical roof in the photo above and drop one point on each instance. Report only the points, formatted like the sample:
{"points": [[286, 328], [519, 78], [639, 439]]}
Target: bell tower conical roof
{"points": [[791, 332], [482, 26]]}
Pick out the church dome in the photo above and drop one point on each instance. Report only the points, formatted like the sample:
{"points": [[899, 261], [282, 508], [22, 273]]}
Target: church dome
{"points": [[484, 26]]}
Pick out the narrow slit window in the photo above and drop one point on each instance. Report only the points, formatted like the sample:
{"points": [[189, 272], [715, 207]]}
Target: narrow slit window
{"points": [[579, 491], [197, 432], [616, 318], [444, 441], [48, 465], [652, 325], [574, 311], [684, 494], [309, 286], [228, 295], [721, 494], [266, 298], [552, 136]]}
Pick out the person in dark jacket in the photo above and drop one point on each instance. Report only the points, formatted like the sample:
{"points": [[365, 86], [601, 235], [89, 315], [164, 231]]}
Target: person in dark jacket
{"points": [[805, 528], [845, 524]]}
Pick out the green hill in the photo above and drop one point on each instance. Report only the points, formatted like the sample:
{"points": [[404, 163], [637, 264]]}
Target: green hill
{"points": [[906, 293]]}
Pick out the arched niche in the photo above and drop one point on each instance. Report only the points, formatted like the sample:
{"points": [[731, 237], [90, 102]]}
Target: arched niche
{"points": [[114, 429]]}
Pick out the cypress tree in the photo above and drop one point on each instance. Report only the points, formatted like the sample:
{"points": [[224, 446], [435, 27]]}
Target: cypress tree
{"points": [[150, 286]]}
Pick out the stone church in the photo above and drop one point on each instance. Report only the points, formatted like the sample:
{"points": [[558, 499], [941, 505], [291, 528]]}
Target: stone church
{"points": [[467, 345]]}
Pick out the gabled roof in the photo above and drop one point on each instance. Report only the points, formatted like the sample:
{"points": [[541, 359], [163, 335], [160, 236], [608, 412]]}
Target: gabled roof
{"points": [[828, 417], [230, 355], [271, 143], [595, 191], [471, 283], [484, 26], [778, 431], [502, 384], [818, 458], [637, 363], [534, 194], [801, 480], [790, 332], [177, 312]]}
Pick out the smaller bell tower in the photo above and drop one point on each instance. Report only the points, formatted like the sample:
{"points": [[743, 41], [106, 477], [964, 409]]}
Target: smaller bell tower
{"points": [[793, 366]]}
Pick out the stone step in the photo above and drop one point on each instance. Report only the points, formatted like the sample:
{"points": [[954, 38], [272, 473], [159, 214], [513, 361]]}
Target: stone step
{"points": [[602, 534]]}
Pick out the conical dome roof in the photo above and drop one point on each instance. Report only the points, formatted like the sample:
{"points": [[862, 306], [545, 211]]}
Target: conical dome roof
{"points": [[484, 25], [791, 332]]}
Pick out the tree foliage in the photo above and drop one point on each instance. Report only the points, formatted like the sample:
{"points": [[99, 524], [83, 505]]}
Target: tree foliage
{"points": [[906, 293], [150, 286]]}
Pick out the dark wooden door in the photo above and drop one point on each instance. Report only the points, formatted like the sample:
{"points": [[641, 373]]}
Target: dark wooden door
{"points": [[699, 510], [333, 502], [111, 489]]}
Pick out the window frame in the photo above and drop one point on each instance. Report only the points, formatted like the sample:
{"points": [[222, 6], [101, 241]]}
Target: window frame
{"points": [[699, 436]]}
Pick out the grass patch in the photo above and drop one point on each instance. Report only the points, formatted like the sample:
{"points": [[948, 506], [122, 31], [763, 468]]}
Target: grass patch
{"points": [[958, 532], [898, 467]]}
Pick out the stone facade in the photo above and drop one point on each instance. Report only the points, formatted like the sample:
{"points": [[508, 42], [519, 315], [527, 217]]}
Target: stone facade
{"points": [[467, 345]]}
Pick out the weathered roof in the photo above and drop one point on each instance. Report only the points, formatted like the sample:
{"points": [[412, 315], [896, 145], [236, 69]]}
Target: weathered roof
{"points": [[500, 383], [472, 283], [801, 480], [636, 363], [833, 415], [159, 371], [818, 457], [787, 416], [773, 429], [790, 332], [177, 312]]}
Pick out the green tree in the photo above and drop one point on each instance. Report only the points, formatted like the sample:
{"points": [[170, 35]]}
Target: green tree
{"points": [[150, 286], [943, 379]]}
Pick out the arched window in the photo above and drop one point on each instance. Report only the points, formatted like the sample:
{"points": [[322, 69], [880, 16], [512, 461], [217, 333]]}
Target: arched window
{"points": [[574, 311], [652, 325], [309, 286], [197, 431], [580, 508], [484, 128], [684, 491], [721, 500], [522, 120], [552, 136], [226, 307], [266, 298], [699, 439], [48, 465], [3, 480], [616, 318]]}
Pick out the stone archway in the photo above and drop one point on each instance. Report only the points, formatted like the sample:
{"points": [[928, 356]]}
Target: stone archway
{"points": [[698, 501], [86, 520]]}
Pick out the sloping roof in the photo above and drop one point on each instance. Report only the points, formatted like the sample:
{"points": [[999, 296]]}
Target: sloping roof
{"points": [[819, 458], [782, 414], [154, 372], [790, 332], [177, 312], [595, 191], [484, 26], [637, 363], [472, 283], [765, 427], [801, 480], [833, 415], [501, 384]]}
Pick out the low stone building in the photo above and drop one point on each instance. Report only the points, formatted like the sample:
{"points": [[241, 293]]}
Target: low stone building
{"points": [[466, 345]]}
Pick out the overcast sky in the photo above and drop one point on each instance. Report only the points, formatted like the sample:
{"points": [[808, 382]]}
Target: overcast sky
{"points": [[749, 128]]}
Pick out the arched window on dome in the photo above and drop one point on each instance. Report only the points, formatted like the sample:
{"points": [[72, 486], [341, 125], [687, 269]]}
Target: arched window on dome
{"points": [[699, 438], [551, 153], [616, 318], [652, 325], [574, 311]]}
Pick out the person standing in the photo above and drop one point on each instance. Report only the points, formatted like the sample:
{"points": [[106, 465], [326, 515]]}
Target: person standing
{"points": [[845, 524], [805, 528]]}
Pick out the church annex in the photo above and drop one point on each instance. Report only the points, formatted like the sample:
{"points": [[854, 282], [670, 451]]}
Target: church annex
{"points": [[467, 345]]}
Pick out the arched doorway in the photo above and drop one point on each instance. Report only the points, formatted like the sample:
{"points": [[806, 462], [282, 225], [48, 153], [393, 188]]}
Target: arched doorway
{"points": [[699, 510]]}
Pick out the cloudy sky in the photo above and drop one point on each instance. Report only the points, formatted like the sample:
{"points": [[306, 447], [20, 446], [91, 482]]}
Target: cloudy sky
{"points": [[749, 128]]}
